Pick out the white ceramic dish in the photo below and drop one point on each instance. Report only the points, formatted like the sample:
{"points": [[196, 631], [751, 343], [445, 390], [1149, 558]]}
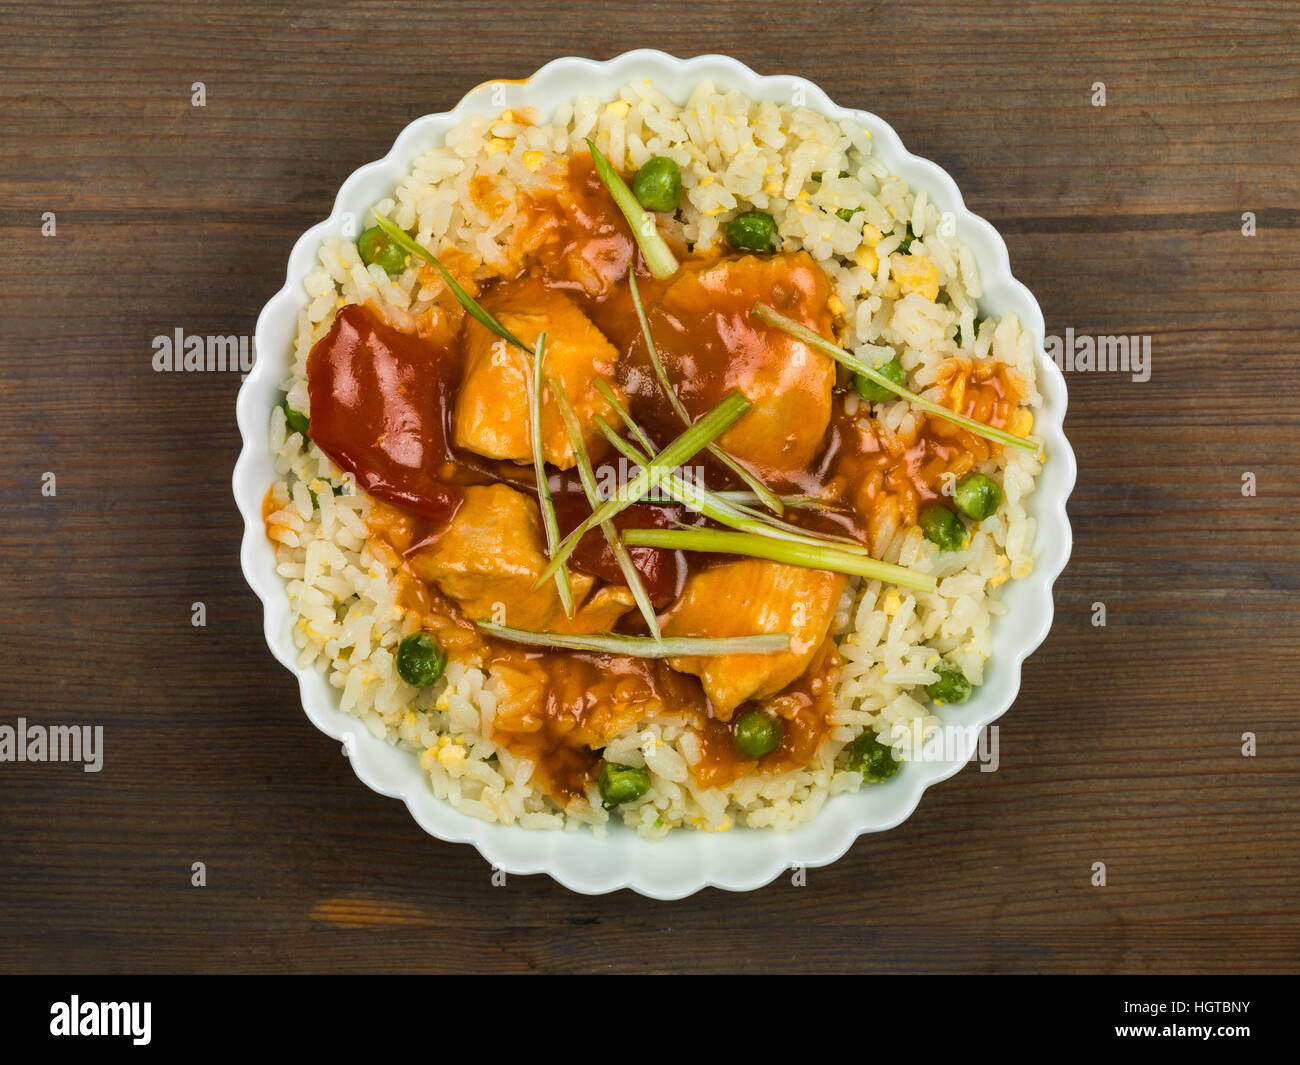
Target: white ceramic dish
{"points": [[685, 861]]}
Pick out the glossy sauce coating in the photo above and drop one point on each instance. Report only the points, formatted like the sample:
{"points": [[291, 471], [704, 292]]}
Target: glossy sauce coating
{"points": [[559, 708], [801, 708], [662, 572], [376, 399]]}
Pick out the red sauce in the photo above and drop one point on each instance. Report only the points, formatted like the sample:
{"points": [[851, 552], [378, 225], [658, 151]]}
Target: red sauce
{"points": [[378, 409]]}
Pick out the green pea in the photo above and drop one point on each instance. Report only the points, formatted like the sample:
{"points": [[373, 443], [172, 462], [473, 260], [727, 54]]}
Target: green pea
{"points": [[375, 247], [756, 733], [752, 231], [942, 527], [622, 783], [873, 759], [295, 420], [905, 245], [952, 685], [658, 185], [877, 393], [977, 496], [420, 660]]}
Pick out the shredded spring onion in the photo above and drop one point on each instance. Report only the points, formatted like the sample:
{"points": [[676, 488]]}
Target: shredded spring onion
{"points": [[698, 498], [744, 543], [707, 503], [706, 430], [740, 498], [645, 647], [788, 325], [608, 394], [659, 257], [588, 478], [549, 522]]}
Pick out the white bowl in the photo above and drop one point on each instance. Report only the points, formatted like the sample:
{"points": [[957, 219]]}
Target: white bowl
{"points": [[684, 861]]}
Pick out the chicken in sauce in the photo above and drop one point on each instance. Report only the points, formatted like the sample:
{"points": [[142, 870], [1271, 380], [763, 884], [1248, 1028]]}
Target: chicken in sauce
{"points": [[433, 420]]}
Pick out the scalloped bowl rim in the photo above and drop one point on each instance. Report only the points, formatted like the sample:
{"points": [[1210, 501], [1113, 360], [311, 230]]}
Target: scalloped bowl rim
{"points": [[684, 861]]}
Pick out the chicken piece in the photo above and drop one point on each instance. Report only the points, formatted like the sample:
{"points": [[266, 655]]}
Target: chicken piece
{"points": [[488, 557], [710, 344], [492, 411], [745, 598]]}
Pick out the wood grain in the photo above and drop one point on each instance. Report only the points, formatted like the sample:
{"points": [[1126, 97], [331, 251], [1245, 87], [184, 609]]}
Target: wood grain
{"points": [[1124, 745]]}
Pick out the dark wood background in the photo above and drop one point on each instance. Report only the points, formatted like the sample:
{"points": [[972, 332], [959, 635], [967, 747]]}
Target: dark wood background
{"points": [[1124, 746]]}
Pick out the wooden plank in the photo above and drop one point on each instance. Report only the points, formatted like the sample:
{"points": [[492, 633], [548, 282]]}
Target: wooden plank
{"points": [[1124, 745]]}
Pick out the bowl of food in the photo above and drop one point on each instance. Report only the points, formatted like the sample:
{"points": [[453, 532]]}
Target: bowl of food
{"points": [[652, 474]]}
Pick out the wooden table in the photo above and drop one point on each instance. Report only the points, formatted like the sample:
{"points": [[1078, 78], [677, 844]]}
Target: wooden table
{"points": [[1124, 746]]}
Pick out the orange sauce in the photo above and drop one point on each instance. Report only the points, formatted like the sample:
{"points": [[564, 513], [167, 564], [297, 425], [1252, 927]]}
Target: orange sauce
{"points": [[560, 708], [484, 193], [876, 480], [802, 709]]}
